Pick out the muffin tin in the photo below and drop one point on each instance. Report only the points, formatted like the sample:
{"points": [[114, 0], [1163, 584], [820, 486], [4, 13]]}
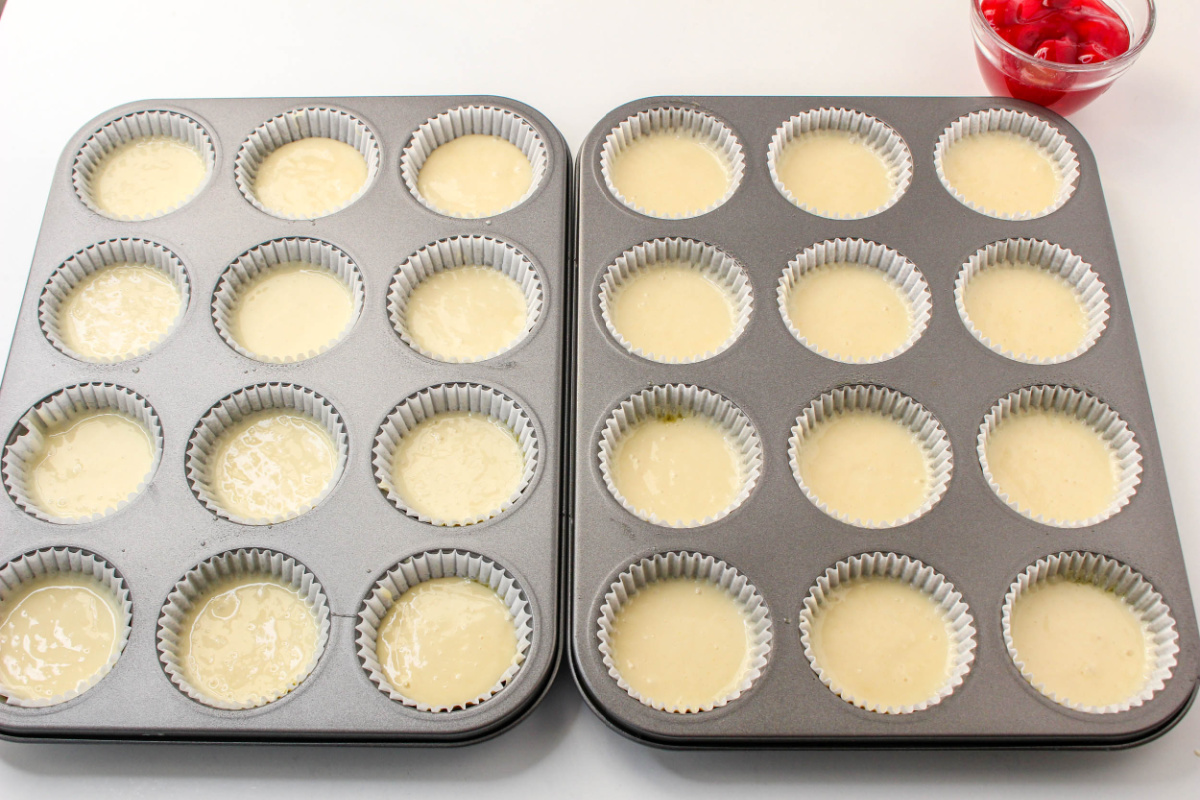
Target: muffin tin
{"points": [[782, 543], [355, 535]]}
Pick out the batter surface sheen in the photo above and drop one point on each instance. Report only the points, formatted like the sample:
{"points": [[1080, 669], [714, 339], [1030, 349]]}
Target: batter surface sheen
{"points": [[310, 177], [291, 311], [475, 176], [119, 310], [466, 313], [147, 176], [673, 310]]}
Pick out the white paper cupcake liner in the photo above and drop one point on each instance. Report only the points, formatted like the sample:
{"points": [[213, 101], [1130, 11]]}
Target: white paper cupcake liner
{"points": [[460, 251], [209, 576], [1037, 130], [450, 397], [93, 259], [303, 123], [1083, 406], [138, 125], [875, 134], [426, 567], [1109, 575], [253, 263], [477, 120], [892, 405], [1057, 261], [243, 403], [28, 437], [901, 272], [695, 566], [959, 622], [706, 259], [69, 561], [684, 120], [680, 399]]}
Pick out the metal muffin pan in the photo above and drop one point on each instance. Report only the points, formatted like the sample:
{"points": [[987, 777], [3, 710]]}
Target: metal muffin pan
{"points": [[780, 540], [355, 534]]}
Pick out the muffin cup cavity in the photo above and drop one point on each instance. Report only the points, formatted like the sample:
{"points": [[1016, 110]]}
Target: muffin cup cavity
{"points": [[28, 437], [460, 251], [258, 261], [1099, 416], [682, 400], [683, 120], [228, 412], [899, 271], [71, 561], [138, 125], [875, 134], [1044, 135], [430, 566], [1054, 260], [97, 257], [292, 126], [208, 576], [473, 120], [453, 397], [890, 404], [1109, 575], [693, 566], [959, 622]]}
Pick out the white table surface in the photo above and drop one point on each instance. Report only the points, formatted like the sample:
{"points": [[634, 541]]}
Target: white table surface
{"points": [[63, 62]]}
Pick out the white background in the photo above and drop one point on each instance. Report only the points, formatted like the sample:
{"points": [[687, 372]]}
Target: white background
{"points": [[63, 62]]}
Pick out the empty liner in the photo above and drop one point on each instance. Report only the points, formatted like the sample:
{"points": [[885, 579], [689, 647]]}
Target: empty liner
{"points": [[875, 134], [959, 622], [450, 397], [430, 566], [303, 123], [666, 566], [69, 561], [1099, 417], [243, 403], [1109, 575], [461, 251], [94, 258], [209, 576], [900, 272], [477, 120], [892, 405], [28, 437], [138, 125], [257, 261]]}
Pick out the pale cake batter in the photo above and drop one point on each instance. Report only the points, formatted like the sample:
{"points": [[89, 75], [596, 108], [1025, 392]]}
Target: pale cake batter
{"points": [[671, 173], [272, 463], [673, 310], [682, 469], [446, 642], [475, 176], [835, 173], [118, 311], [56, 632], [466, 313], [1002, 171], [310, 177], [457, 465], [1026, 310], [865, 466], [89, 464], [682, 643], [883, 642], [147, 176], [852, 312], [1084, 644], [290, 311], [247, 639], [1053, 464]]}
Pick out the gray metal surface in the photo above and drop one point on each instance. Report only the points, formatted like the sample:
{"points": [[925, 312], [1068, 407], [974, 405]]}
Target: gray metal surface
{"points": [[780, 540], [355, 534]]}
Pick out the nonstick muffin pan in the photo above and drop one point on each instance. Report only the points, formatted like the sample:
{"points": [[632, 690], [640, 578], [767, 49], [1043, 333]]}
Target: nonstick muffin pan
{"points": [[356, 534], [779, 541]]}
